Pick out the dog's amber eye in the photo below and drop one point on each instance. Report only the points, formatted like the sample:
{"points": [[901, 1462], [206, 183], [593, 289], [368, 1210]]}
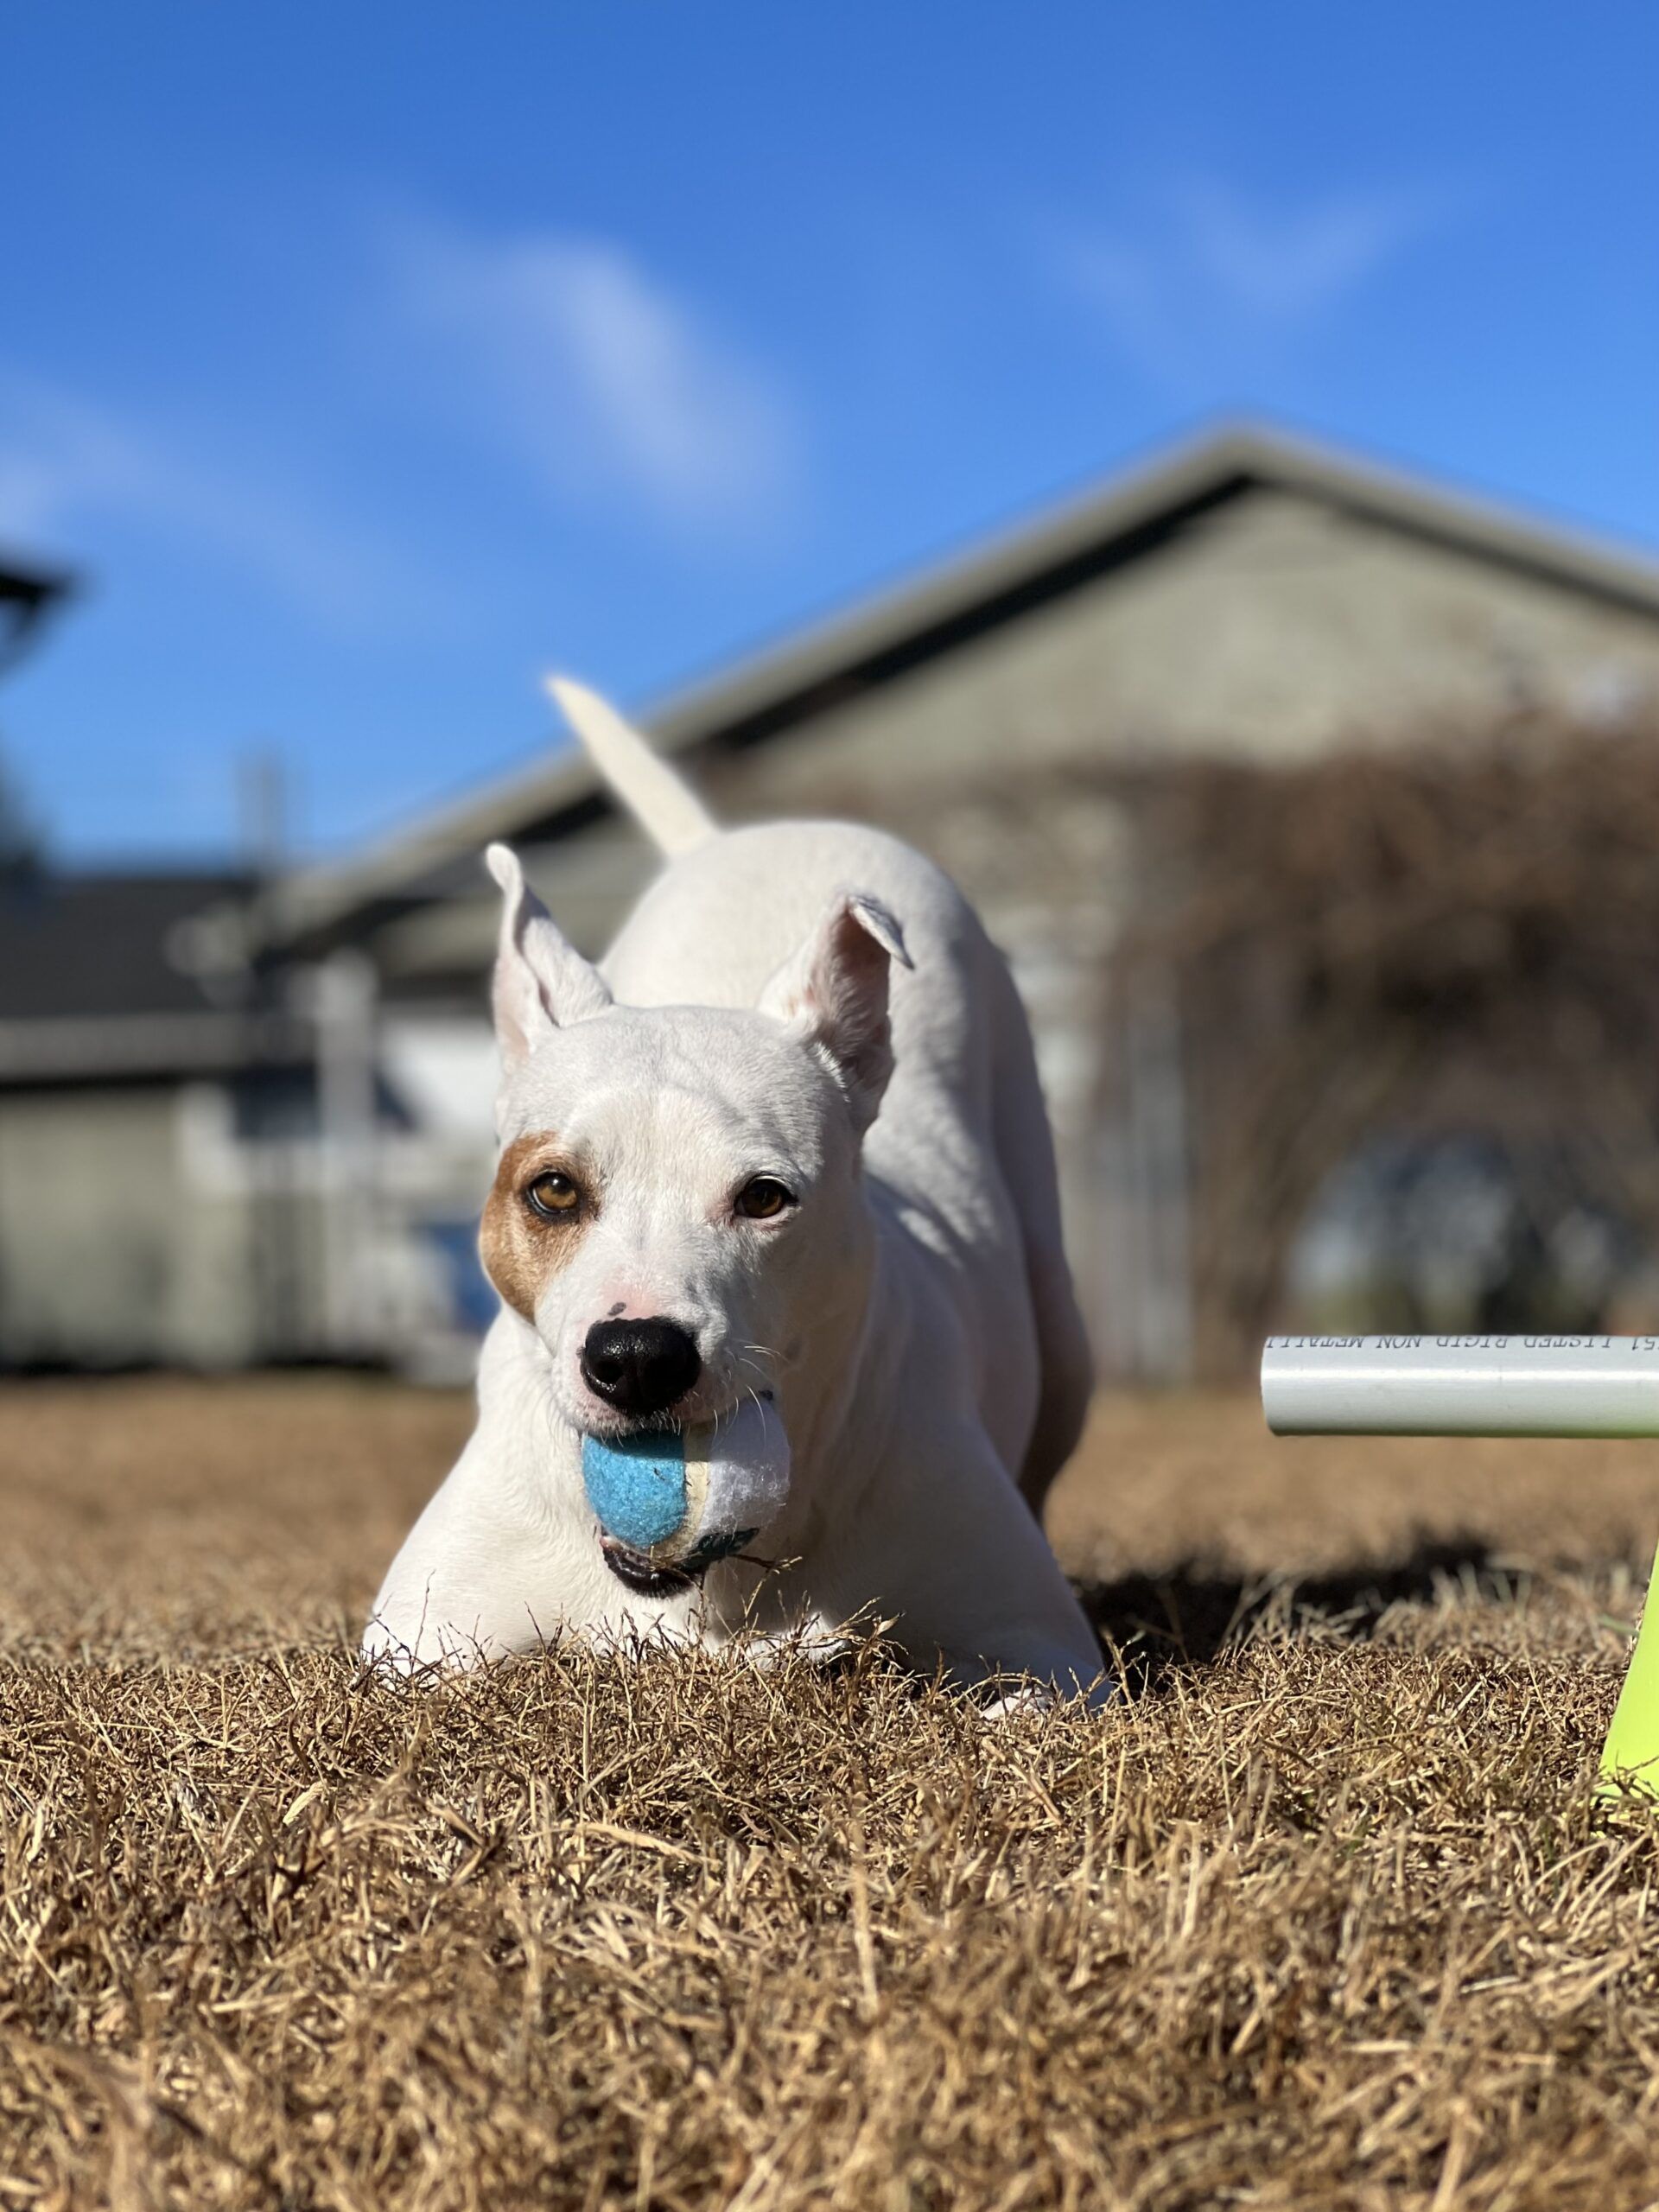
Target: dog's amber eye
{"points": [[552, 1193], [763, 1199]]}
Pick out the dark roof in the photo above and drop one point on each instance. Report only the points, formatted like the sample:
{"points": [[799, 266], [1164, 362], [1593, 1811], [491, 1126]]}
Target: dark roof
{"points": [[80, 946], [25, 595], [1109, 527]]}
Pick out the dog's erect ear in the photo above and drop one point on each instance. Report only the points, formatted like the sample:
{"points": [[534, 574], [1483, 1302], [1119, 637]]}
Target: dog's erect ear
{"points": [[541, 982], [834, 993]]}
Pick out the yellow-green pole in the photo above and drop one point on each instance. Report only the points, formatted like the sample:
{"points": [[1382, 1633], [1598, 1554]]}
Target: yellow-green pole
{"points": [[1630, 1758]]}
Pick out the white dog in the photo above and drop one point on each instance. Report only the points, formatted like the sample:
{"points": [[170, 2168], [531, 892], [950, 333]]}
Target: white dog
{"points": [[786, 1141]]}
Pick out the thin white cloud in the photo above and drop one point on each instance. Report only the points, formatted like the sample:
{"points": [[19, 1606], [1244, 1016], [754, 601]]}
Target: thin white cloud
{"points": [[1291, 266], [598, 375], [68, 464], [1207, 278]]}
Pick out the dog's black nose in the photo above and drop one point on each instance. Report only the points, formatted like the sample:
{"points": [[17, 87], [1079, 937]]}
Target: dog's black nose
{"points": [[639, 1367]]}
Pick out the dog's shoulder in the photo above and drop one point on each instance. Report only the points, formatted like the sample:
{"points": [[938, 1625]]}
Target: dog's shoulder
{"points": [[721, 919]]}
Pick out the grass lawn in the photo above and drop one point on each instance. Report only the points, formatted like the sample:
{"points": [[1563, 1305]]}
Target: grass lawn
{"points": [[1324, 1914]]}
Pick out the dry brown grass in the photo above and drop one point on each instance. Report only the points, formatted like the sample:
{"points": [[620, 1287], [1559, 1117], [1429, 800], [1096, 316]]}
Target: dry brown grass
{"points": [[1323, 1915]]}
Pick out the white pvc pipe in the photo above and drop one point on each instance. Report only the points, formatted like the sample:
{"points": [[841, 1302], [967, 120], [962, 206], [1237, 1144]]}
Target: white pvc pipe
{"points": [[1461, 1386]]}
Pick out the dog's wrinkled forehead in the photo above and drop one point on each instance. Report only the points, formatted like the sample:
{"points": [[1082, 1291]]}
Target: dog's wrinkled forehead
{"points": [[721, 1082]]}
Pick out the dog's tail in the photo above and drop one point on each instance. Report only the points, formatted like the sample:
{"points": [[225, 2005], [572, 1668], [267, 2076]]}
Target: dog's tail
{"points": [[667, 808]]}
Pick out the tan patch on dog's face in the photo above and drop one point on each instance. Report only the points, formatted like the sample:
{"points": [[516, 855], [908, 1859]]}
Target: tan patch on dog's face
{"points": [[520, 1247]]}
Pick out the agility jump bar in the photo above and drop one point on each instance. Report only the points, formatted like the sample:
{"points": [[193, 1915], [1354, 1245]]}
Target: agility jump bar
{"points": [[1461, 1386], [1588, 1386]]}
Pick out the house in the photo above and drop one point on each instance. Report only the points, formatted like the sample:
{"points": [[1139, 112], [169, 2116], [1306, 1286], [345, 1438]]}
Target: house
{"points": [[187, 1146], [1248, 596]]}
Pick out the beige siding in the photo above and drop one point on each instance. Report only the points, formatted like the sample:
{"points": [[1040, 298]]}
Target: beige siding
{"points": [[1274, 630]]}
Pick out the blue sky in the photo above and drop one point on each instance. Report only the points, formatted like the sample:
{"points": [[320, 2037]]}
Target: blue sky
{"points": [[368, 360]]}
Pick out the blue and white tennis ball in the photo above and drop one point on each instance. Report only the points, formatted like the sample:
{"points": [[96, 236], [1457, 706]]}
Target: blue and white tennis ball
{"points": [[687, 1497]]}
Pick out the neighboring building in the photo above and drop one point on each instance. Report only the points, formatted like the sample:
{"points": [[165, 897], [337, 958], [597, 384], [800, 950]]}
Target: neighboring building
{"points": [[100, 1038], [207, 1167], [192, 1153], [204, 1166], [1248, 596]]}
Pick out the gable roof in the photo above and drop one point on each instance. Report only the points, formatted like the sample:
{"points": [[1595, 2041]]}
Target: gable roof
{"points": [[1129, 516]]}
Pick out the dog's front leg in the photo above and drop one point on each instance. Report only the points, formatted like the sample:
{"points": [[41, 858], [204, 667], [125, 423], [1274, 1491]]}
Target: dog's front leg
{"points": [[474, 1582], [505, 1558], [951, 1550]]}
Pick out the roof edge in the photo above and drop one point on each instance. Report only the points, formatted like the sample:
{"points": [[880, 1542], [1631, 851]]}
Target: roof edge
{"points": [[788, 681]]}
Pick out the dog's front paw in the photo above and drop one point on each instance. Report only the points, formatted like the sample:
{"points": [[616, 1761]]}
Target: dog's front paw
{"points": [[387, 1658], [1026, 1697], [1004, 1695], [384, 1657]]}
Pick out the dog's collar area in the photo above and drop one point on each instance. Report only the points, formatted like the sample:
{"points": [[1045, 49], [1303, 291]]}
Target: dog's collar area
{"points": [[637, 1571]]}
